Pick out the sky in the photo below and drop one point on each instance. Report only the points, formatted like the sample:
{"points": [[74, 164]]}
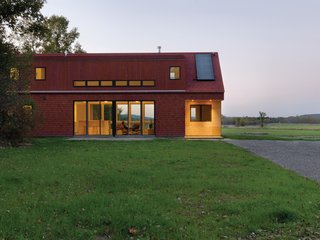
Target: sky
{"points": [[269, 50]]}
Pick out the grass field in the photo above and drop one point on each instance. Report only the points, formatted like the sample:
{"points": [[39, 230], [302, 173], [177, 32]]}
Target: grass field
{"points": [[274, 131], [159, 189]]}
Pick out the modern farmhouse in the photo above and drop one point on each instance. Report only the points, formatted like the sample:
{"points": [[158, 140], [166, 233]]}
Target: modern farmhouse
{"points": [[126, 94]]}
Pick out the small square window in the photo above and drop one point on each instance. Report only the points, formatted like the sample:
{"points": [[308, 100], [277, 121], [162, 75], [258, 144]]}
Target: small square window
{"points": [[174, 73], [40, 73], [200, 113], [14, 73]]}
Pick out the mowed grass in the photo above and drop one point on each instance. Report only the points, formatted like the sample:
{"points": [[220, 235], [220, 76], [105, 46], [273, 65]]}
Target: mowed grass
{"points": [[276, 131], [160, 189]]}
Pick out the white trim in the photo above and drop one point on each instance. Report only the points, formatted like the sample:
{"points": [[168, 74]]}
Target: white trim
{"points": [[109, 91]]}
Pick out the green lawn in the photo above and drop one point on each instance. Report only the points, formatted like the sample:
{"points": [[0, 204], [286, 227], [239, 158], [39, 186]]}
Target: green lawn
{"points": [[275, 131], [163, 189]]}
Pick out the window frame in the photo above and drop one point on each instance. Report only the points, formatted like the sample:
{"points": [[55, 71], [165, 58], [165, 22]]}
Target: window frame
{"points": [[201, 105], [45, 74], [170, 72]]}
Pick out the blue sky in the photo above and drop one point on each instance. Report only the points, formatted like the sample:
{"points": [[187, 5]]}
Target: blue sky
{"points": [[269, 49]]}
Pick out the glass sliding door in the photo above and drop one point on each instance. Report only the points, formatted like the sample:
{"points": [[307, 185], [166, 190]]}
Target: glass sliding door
{"points": [[148, 118], [106, 118], [80, 118], [122, 124], [94, 116]]}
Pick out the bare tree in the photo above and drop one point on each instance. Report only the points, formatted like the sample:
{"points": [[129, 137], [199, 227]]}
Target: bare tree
{"points": [[262, 117]]}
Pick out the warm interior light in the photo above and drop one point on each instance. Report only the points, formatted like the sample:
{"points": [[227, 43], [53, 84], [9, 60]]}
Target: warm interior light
{"points": [[148, 83], [40, 73]]}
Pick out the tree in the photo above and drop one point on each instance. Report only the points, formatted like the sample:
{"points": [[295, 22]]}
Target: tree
{"points": [[16, 117], [58, 39], [14, 13], [262, 116], [54, 38]]}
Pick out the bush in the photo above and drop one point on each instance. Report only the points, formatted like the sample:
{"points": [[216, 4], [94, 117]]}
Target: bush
{"points": [[16, 121]]}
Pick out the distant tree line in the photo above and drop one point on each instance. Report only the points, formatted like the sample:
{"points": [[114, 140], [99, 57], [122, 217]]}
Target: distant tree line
{"points": [[245, 121]]}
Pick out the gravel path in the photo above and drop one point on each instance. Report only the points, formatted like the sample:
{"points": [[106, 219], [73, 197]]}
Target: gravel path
{"points": [[302, 157]]}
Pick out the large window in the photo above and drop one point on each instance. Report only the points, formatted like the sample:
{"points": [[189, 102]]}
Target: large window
{"points": [[174, 73], [200, 113], [129, 118], [40, 73]]}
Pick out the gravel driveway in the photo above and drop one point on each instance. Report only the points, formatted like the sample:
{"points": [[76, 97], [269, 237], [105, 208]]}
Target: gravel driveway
{"points": [[302, 157]]}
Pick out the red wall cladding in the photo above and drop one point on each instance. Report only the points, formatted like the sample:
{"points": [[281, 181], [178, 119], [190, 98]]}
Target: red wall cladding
{"points": [[62, 71], [56, 111]]}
